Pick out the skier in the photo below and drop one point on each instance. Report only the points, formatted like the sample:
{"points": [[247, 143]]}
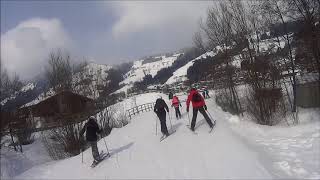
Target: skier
{"points": [[92, 128], [204, 93], [160, 109], [207, 93], [175, 104], [198, 104], [170, 95]]}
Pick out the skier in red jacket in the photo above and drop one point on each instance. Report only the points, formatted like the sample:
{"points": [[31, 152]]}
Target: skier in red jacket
{"points": [[198, 104], [175, 104]]}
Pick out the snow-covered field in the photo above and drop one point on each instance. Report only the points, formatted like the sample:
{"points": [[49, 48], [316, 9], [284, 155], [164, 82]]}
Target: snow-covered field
{"points": [[236, 149]]}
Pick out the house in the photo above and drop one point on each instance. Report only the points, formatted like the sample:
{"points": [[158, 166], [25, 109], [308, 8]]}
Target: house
{"points": [[308, 90], [60, 109]]}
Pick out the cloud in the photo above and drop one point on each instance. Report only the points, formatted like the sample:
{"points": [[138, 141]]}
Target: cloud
{"points": [[139, 16], [25, 48]]}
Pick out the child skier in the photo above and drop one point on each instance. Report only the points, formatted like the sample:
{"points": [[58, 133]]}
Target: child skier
{"points": [[92, 128], [160, 109], [175, 104], [198, 104]]}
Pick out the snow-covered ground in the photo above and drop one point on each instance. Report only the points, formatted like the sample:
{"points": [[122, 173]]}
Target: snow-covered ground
{"points": [[139, 69], [293, 152], [236, 149], [180, 74], [13, 163]]}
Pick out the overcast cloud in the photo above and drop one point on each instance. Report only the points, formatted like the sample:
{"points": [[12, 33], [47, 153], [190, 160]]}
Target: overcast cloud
{"points": [[25, 48], [106, 32]]}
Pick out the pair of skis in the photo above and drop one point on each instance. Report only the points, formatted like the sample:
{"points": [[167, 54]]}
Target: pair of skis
{"points": [[211, 129], [164, 136], [103, 156]]}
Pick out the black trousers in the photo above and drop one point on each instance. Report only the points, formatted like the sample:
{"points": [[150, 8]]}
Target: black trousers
{"points": [[194, 117], [178, 114], [162, 117]]}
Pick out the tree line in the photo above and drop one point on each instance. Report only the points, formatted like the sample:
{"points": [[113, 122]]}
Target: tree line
{"points": [[239, 28]]}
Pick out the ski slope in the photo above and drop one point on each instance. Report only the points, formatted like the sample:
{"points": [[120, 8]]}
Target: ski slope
{"points": [[137, 153]]}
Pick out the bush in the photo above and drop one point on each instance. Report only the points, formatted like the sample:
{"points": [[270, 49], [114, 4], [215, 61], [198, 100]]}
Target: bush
{"points": [[266, 105], [25, 133], [224, 99], [64, 141]]}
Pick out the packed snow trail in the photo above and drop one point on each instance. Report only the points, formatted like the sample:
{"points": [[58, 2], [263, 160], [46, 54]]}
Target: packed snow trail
{"points": [[137, 153]]}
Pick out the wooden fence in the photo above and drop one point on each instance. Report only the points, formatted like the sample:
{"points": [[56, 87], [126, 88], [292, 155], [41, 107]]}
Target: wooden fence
{"points": [[139, 109], [144, 108]]}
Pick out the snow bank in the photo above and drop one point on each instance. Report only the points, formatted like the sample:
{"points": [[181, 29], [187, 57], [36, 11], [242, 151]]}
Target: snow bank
{"points": [[293, 152]]}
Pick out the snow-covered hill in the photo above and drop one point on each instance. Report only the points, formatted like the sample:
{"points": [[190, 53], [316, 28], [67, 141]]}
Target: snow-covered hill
{"points": [[26, 94], [141, 69], [234, 150], [180, 74]]}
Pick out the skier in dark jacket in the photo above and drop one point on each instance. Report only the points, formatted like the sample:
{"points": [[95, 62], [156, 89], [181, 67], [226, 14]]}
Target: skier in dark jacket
{"points": [[92, 128], [198, 104], [170, 95], [160, 109]]}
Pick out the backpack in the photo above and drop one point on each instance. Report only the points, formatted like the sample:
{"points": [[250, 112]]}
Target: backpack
{"points": [[175, 100], [159, 104], [196, 97]]}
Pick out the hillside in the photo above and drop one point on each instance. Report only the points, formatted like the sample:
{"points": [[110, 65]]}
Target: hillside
{"points": [[140, 69], [180, 74]]}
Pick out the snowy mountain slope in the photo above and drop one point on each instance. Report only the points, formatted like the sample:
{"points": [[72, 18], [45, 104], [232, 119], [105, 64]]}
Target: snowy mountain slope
{"points": [[29, 86], [25, 95], [137, 153], [181, 74], [140, 69]]}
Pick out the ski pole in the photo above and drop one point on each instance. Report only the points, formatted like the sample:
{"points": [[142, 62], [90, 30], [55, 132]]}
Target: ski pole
{"points": [[105, 144], [170, 122], [156, 126], [210, 115], [81, 155]]}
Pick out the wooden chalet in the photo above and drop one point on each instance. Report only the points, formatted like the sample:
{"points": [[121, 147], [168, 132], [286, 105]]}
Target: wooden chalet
{"points": [[58, 110]]}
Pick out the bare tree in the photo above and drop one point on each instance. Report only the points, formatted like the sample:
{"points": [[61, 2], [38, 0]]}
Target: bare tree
{"points": [[309, 12], [9, 84], [219, 31], [59, 71], [198, 41]]}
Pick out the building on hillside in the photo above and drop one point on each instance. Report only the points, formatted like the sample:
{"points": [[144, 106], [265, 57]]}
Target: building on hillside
{"points": [[60, 109], [308, 90]]}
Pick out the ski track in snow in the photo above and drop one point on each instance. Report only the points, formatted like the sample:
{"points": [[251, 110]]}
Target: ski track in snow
{"points": [[137, 153]]}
